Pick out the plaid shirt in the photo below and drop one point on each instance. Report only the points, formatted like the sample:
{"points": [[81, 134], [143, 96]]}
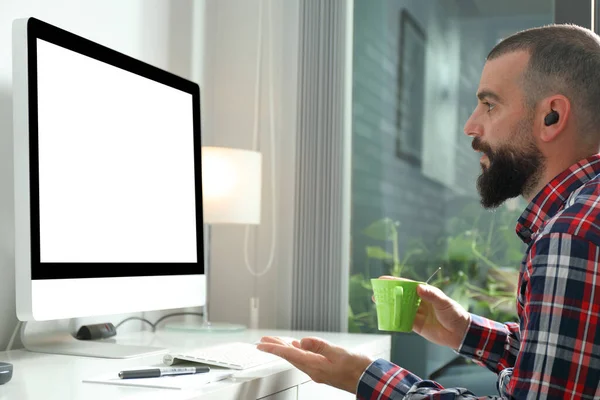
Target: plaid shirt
{"points": [[554, 351]]}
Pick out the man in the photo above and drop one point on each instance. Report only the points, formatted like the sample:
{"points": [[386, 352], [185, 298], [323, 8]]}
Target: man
{"points": [[537, 125]]}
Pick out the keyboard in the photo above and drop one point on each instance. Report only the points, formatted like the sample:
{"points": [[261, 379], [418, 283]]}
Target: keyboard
{"points": [[236, 355]]}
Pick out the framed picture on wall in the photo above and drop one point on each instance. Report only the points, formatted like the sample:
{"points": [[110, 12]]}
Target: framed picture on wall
{"points": [[411, 89]]}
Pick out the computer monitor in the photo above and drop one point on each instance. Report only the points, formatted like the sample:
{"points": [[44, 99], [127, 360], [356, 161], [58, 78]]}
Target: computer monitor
{"points": [[107, 184]]}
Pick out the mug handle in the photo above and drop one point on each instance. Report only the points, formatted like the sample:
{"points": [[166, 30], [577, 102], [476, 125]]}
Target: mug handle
{"points": [[398, 293]]}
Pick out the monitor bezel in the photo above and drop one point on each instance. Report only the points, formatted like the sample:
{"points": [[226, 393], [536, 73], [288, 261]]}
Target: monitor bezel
{"points": [[37, 29]]}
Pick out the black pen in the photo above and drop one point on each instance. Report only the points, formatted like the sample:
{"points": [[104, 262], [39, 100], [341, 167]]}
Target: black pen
{"points": [[158, 372]]}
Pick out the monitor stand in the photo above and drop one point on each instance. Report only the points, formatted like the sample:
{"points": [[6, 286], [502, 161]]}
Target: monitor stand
{"points": [[55, 337]]}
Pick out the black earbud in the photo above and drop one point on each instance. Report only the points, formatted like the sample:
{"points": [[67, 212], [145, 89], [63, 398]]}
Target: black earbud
{"points": [[551, 118]]}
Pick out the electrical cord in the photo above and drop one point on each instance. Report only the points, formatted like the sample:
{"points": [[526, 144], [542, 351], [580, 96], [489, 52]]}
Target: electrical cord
{"points": [[175, 315], [155, 324], [271, 137], [136, 319]]}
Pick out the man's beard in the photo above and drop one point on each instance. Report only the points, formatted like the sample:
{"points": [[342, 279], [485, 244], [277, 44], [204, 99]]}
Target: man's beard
{"points": [[513, 170]]}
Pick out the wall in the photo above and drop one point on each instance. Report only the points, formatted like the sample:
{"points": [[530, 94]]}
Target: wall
{"points": [[229, 82]]}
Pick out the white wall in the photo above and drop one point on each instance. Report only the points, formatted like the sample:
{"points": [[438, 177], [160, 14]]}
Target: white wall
{"points": [[214, 43], [228, 87]]}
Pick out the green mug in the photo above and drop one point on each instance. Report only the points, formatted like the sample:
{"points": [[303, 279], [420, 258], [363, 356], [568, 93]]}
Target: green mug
{"points": [[396, 302]]}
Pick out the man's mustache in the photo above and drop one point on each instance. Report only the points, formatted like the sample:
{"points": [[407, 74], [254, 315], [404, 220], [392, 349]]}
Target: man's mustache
{"points": [[479, 145]]}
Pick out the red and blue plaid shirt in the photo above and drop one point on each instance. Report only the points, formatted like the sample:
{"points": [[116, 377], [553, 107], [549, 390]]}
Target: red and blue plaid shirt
{"points": [[554, 351]]}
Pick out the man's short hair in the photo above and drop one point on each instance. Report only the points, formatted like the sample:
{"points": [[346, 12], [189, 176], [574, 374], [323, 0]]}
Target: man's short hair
{"points": [[564, 59]]}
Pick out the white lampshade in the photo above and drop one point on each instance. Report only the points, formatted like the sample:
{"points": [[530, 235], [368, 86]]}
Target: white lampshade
{"points": [[231, 185]]}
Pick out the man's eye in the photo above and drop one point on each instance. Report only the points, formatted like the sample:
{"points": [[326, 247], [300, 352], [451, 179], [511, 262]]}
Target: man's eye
{"points": [[489, 106]]}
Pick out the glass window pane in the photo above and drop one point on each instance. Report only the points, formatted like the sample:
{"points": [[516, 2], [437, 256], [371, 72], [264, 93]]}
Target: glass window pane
{"points": [[415, 207]]}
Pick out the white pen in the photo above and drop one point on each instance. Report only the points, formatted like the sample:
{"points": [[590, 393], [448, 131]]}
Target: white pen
{"points": [[158, 372]]}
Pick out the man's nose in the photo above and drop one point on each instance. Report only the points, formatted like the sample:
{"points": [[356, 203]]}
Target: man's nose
{"points": [[472, 128]]}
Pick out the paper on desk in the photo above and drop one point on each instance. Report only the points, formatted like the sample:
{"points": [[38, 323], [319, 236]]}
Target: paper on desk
{"points": [[179, 382]]}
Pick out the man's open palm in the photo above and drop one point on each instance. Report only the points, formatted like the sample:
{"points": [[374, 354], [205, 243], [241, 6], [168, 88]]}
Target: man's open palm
{"points": [[322, 361]]}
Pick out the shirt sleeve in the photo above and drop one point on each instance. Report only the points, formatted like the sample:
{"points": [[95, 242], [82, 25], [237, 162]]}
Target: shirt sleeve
{"points": [[491, 344], [558, 353], [383, 380]]}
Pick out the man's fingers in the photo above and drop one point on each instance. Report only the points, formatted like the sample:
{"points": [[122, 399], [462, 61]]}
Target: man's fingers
{"points": [[313, 345], [434, 296], [273, 344], [419, 322], [278, 340], [320, 346], [300, 358], [275, 348], [272, 339]]}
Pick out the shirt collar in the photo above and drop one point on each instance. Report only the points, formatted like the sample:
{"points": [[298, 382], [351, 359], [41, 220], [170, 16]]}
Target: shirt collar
{"points": [[552, 197]]}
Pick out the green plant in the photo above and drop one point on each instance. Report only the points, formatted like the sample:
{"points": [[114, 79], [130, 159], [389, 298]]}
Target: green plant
{"points": [[386, 230], [479, 253], [482, 259], [361, 310]]}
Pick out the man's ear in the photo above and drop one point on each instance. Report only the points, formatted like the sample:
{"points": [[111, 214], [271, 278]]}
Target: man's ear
{"points": [[554, 112]]}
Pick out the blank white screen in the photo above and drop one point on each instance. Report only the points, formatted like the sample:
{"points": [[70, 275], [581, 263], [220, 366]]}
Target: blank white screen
{"points": [[116, 163]]}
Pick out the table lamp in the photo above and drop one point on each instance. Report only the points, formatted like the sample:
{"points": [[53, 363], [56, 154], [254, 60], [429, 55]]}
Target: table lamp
{"points": [[231, 194]]}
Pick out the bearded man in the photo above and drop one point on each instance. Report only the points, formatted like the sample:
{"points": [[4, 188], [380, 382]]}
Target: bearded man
{"points": [[537, 125]]}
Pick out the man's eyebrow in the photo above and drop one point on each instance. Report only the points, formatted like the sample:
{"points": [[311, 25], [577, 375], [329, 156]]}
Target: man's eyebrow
{"points": [[486, 94]]}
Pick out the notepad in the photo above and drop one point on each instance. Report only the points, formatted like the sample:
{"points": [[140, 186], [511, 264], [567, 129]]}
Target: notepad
{"points": [[177, 382]]}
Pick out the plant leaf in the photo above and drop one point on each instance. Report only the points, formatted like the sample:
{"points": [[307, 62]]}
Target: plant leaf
{"points": [[378, 253], [383, 229]]}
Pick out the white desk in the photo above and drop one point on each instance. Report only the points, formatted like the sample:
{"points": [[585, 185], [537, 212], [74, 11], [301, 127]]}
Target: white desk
{"points": [[56, 377]]}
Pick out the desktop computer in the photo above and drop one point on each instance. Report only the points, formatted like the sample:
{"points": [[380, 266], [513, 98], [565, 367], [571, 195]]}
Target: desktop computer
{"points": [[107, 184]]}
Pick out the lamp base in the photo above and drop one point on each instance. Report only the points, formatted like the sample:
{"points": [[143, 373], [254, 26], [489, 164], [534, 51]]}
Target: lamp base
{"points": [[205, 327]]}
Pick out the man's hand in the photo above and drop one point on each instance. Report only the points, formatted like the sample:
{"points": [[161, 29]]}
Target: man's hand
{"points": [[323, 362], [439, 319]]}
